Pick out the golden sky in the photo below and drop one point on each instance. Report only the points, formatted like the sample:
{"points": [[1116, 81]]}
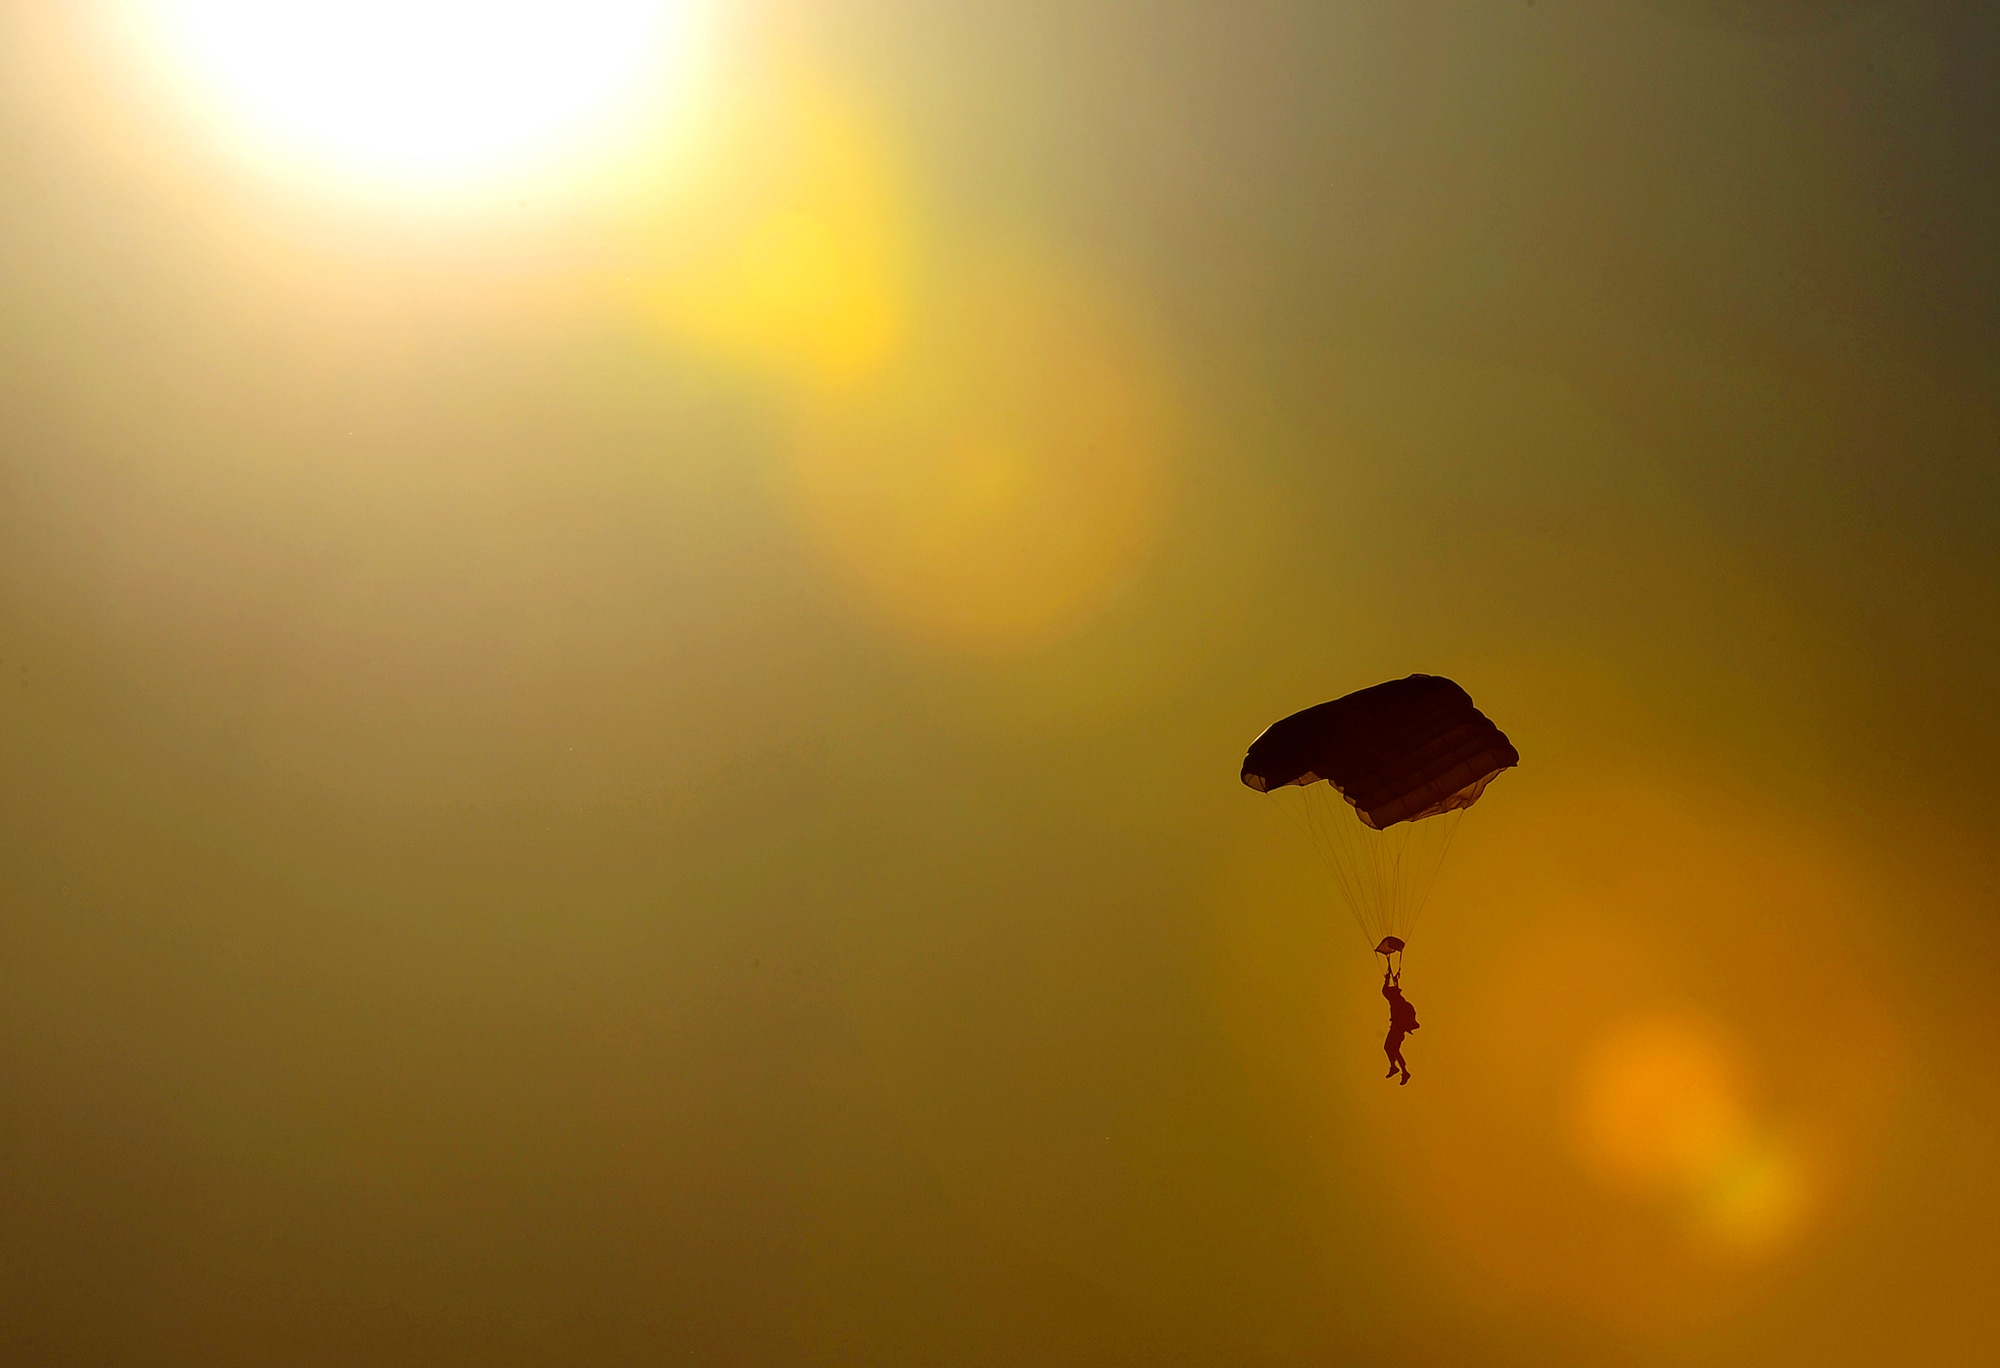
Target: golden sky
{"points": [[626, 632]]}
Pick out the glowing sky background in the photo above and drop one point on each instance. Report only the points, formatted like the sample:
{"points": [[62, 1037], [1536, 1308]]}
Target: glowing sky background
{"points": [[629, 755]]}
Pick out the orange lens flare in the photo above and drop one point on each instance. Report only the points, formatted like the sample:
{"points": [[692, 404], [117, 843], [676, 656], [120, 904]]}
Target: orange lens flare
{"points": [[1659, 1105]]}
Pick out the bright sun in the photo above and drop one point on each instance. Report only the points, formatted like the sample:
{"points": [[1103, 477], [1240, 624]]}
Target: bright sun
{"points": [[423, 90]]}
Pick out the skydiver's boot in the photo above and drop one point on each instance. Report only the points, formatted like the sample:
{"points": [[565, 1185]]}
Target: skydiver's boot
{"points": [[1406, 1076]]}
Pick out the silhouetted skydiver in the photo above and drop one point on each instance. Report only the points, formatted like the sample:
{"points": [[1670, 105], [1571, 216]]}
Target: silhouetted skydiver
{"points": [[1402, 1021]]}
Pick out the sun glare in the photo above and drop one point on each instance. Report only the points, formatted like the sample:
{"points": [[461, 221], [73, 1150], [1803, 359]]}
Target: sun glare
{"points": [[421, 90]]}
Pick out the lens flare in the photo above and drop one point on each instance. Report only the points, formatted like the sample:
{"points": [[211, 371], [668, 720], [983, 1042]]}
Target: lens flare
{"points": [[977, 433], [1659, 1104], [1757, 1200], [1659, 1042], [797, 267], [995, 487], [1661, 1110], [418, 89]]}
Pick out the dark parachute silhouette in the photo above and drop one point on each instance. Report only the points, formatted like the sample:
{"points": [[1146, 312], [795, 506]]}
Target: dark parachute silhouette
{"points": [[1406, 758]]}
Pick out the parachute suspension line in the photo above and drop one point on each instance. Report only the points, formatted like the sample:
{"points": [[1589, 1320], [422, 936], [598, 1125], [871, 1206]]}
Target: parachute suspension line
{"points": [[1384, 877], [1354, 857], [1349, 880], [1394, 749], [1419, 884]]}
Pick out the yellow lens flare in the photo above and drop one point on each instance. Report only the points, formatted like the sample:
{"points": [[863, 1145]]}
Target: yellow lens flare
{"points": [[796, 265], [1753, 1205], [980, 436], [1661, 1110], [994, 488], [1666, 1047], [419, 90]]}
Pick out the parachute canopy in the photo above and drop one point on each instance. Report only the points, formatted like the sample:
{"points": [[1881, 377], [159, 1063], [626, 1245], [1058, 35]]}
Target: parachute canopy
{"points": [[1398, 752], [1390, 945]]}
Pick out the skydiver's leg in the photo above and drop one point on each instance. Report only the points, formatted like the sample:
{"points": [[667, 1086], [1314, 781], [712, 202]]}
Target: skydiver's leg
{"points": [[1393, 1047]]}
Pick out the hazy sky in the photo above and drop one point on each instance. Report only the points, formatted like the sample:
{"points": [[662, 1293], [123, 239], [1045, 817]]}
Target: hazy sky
{"points": [[622, 748]]}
